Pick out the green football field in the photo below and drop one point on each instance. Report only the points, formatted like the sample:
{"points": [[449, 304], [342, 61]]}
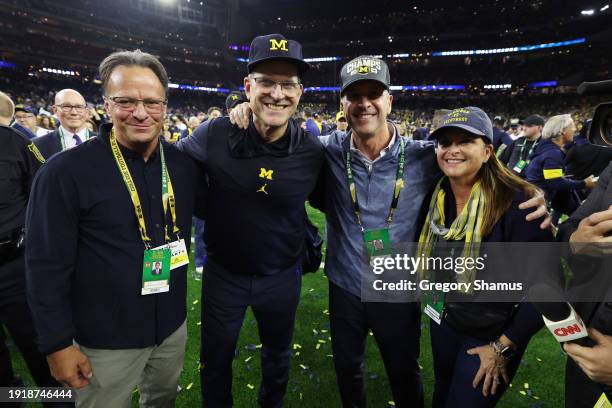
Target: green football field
{"points": [[312, 383]]}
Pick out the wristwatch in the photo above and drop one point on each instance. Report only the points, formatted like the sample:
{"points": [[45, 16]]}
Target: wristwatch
{"points": [[502, 350]]}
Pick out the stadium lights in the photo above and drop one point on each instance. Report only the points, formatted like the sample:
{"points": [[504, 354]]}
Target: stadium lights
{"points": [[64, 72], [198, 88], [498, 86], [393, 88], [604, 8], [5, 64], [589, 12], [523, 48]]}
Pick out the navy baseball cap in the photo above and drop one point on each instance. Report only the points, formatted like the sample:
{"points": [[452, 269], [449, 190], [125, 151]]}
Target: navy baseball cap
{"points": [[233, 99], [470, 118], [364, 68], [276, 47], [533, 120], [23, 108]]}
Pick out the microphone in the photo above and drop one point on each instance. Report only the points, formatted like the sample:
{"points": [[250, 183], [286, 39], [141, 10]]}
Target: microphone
{"points": [[559, 316], [595, 88]]}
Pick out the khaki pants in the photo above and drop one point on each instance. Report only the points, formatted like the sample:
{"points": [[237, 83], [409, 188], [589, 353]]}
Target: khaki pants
{"points": [[154, 370]]}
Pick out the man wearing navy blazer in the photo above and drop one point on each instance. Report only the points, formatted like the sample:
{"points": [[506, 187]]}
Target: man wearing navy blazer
{"points": [[71, 109]]}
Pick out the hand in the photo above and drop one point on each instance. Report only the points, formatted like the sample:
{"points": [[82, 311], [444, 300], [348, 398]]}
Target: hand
{"points": [[539, 203], [239, 116], [590, 182], [491, 368], [593, 235], [70, 367], [596, 361]]}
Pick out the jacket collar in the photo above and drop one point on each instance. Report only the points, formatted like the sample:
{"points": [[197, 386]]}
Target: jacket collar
{"points": [[249, 143]]}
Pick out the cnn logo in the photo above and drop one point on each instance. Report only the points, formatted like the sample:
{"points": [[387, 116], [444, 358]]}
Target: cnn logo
{"points": [[569, 330]]}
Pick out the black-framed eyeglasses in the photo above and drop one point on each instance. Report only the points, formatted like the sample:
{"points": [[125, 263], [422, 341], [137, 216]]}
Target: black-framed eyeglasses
{"points": [[289, 88], [129, 104]]}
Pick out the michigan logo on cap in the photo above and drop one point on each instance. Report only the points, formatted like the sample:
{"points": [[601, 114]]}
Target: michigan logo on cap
{"points": [[278, 45], [363, 66]]}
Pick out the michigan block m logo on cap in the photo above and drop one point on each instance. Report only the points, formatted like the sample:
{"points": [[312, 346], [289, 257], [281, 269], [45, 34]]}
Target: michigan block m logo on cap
{"points": [[278, 45], [363, 66]]}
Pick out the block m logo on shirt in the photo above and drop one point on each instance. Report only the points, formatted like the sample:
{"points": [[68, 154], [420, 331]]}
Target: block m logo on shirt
{"points": [[265, 174]]}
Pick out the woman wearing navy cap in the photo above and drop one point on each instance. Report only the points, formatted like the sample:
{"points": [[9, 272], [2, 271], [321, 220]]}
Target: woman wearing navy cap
{"points": [[477, 347]]}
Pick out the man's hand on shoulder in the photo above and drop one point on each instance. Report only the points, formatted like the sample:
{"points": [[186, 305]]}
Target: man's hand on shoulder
{"points": [[239, 116], [70, 367]]}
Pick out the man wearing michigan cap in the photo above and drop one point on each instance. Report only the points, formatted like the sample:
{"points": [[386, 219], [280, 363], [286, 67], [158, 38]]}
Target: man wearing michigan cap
{"points": [[259, 180]]}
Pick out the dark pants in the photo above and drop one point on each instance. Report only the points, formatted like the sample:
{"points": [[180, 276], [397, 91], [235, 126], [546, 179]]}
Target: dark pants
{"points": [[396, 328], [15, 316], [580, 390], [455, 370], [199, 252], [226, 296]]}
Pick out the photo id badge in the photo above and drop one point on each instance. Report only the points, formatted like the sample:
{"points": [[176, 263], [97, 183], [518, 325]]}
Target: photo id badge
{"points": [[156, 271], [378, 243], [519, 166], [434, 305], [178, 252]]}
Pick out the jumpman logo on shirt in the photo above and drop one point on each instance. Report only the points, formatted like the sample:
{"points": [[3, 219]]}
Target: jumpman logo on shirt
{"points": [[262, 189]]}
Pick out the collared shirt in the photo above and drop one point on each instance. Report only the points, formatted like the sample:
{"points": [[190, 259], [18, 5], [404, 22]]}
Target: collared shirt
{"points": [[69, 136], [366, 160], [344, 262], [84, 257]]}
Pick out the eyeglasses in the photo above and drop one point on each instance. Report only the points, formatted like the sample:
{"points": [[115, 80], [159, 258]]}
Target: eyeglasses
{"points": [[67, 108], [289, 88], [129, 104], [25, 116]]}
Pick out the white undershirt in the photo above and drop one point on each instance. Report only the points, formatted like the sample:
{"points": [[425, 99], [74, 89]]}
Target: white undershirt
{"points": [[69, 136]]}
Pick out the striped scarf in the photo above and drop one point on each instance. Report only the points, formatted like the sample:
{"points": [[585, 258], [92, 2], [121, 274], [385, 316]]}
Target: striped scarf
{"points": [[467, 226]]}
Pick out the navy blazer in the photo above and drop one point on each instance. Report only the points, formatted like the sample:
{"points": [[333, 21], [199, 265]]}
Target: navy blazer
{"points": [[50, 143]]}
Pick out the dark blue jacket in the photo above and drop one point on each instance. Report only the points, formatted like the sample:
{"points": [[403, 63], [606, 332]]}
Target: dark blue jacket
{"points": [[84, 253], [311, 126], [511, 227], [546, 170], [500, 138], [27, 132], [50, 143]]}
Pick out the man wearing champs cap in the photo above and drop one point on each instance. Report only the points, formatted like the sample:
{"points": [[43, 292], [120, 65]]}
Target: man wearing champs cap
{"points": [[259, 180], [516, 155], [374, 149]]}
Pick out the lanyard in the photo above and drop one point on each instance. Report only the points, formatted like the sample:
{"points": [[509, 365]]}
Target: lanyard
{"points": [[167, 191], [530, 150], [397, 186], [63, 141]]}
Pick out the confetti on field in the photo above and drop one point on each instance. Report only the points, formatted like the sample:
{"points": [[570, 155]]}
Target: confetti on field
{"points": [[297, 353], [526, 385], [301, 395], [246, 360], [296, 346], [321, 341], [323, 331], [539, 359], [303, 367], [188, 387], [318, 346], [391, 403], [250, 386], [315, 332], [326, 312], [330, 355], [523, 393], [258, 346], [311, 290], [195, 302], [198, 323]]}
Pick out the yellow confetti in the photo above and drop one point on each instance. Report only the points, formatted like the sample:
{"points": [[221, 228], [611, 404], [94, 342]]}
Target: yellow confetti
{"points": [[300, 395], [539, 359], [188, 387], [250, 386], [330, 355], [195, 302], [297, 353], [323, 331], [522, 392], [420, 367], [311, 290], [526, 385], [510, 385], [318, 346], [198, 323], [325, 312], [315, 332], [258, 346], [296, 346], [246, 360], [535, 397], [321, 341], [392, 403], [302, 366]]}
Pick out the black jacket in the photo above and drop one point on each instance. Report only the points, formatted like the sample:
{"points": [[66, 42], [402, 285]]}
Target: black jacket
{"points": [[84, 253]]}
